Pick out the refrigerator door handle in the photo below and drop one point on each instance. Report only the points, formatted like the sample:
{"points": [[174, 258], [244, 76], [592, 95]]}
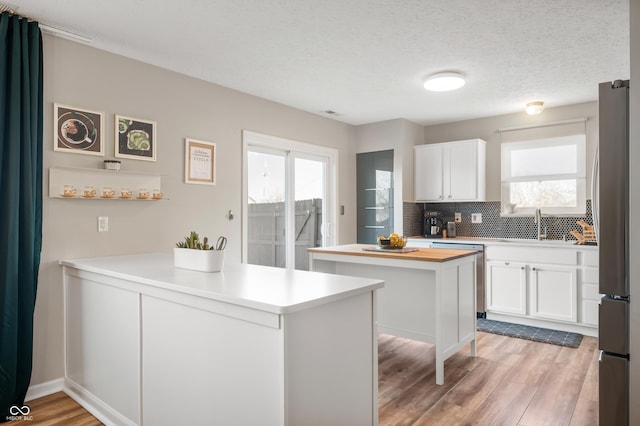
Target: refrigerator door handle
{"points": [[595, 196]]}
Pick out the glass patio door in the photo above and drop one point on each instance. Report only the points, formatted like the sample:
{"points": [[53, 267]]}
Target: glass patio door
{"points": [[286, 203]]}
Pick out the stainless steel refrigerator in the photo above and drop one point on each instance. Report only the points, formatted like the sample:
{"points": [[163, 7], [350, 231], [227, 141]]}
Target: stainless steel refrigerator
{"points": [[611, 218]]}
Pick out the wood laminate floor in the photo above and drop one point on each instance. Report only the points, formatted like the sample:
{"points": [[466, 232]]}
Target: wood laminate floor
{"points": [[512, 382]]}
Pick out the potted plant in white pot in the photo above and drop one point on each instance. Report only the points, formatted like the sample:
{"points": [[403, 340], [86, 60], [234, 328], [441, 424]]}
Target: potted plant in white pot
{"points": [[199, 256]]}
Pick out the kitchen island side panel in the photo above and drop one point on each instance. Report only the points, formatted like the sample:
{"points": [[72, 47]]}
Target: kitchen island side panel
{"points": [[201, 367], [102, 348], [406, 304], [332, 361]]}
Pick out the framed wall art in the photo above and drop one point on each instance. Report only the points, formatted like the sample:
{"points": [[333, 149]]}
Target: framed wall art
{"points": [[135, 138], [200, 162], [78, 130]]}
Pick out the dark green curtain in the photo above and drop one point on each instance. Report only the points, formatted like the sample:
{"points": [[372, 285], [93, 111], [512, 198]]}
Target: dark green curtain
{"points": [[21, 124]]}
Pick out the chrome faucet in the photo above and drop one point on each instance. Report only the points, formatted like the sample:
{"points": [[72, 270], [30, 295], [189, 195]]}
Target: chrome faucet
{"points": [[538, 221]]}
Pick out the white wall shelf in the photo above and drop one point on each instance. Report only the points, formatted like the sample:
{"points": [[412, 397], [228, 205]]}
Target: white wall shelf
{"points": [[138, 183]]}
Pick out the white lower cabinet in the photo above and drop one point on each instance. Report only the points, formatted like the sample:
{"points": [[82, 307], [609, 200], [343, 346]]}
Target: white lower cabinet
{"points": [[553, 292], [552, 288], [507, 287]]}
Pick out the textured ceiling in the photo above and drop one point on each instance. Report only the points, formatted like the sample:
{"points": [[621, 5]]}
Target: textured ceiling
{"points": [[366, 59]]}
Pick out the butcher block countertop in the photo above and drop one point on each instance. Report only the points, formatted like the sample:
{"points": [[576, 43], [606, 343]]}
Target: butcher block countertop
{"points": [[423, 254]]}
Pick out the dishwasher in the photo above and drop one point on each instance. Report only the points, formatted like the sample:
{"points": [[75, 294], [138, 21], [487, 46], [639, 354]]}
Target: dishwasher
{"points": [[481, 305]]}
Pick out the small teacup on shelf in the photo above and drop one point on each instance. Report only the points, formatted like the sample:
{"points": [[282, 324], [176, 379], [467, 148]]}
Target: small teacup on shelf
{"points": [[126, 193], [108, 192], [89, 192], [69, 191], [143, 194], [157, 195]]}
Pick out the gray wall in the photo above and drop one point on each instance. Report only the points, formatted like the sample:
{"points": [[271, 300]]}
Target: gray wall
{"points": [[82, 76], [485, 128]]}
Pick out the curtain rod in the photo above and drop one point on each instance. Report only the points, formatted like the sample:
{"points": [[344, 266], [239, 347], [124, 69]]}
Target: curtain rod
{"points": [[533, 126]]}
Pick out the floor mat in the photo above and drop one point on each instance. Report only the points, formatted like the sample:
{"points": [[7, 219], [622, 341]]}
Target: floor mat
{"points": [[537, 334]]}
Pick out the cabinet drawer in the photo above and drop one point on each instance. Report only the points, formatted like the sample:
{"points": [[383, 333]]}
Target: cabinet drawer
{"points": [[590, 292], [533, 255], [590, 257], [590, 275]]}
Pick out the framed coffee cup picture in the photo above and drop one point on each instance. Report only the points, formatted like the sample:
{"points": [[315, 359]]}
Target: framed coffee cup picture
{"points": [[78, 130]]}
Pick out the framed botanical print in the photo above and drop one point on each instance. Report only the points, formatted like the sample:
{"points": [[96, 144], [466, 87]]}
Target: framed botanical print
{"points": [[135, 138], [78, 130], [200, 162]]}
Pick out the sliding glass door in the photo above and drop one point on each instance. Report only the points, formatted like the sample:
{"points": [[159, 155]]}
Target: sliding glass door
{"points": [[288, 199], [266, 207]]}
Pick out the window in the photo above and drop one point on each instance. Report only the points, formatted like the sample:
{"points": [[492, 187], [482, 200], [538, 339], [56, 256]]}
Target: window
{"points": [[546, 173]]}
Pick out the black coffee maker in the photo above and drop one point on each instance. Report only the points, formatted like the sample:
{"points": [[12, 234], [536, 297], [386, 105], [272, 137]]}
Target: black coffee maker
{"points": [[433, 225]]}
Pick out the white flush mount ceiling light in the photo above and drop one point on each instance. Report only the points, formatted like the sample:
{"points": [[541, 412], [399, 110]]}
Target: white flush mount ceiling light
{"points": [[444, 81], [534, 108]]}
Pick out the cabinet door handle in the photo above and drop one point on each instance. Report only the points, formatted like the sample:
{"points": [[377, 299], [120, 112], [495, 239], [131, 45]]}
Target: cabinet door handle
{"points": [[449, 196], [533, 269], [440, 197], [507, 263], [522, 267]]}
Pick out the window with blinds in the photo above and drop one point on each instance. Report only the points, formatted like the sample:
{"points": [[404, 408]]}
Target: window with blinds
{"points": [[544, 173]]}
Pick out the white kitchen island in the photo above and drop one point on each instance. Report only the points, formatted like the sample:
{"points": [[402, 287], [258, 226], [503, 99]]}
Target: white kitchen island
{"points": [[147, 343], [429, 295]]}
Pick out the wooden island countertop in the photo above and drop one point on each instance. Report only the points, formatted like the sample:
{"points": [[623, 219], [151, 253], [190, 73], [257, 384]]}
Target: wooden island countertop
{"points": [[423, 254]]}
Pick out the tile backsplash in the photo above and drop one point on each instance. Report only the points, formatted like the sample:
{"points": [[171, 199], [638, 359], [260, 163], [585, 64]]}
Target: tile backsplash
{"points": [[492, 226]]}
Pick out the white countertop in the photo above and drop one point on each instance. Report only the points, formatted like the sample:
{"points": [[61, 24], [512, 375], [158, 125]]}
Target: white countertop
{"points": [[269, 289], [509, 241]]}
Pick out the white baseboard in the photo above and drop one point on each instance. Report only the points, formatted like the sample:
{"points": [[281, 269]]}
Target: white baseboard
{"points": [[89, 402], [44, 389], [95, 405]]}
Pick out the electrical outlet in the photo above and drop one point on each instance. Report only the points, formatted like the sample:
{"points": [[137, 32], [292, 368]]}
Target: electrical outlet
{"points": [[476, 217], [458, 217], [103, 223]]}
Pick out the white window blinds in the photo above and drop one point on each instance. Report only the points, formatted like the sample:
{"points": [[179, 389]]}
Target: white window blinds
{"points": [[544, 168]]}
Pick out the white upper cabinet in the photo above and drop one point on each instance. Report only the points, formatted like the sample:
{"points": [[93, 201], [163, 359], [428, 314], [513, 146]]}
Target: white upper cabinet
{"points": [[450, 171], [428, 171]]}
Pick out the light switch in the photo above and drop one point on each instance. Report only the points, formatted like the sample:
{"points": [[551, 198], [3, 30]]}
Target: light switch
{"points": [[476, 217], [103, 223]]}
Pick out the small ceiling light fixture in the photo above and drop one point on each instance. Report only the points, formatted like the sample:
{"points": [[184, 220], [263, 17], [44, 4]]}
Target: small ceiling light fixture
{"points": [[534, 108], [444, 81]]}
